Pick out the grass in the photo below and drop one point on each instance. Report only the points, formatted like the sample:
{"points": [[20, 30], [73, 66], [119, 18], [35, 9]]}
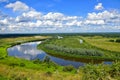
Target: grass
{"points": [[3, 78], [101, 72], [68, 45], [20, 73], [103, 43], [12, 68], [74, 52], [111, 49], [70, 42]]}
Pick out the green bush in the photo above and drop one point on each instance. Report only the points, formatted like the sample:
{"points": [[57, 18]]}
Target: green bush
{"points": [[115, 70], [1, 58], [37, 61], [118, 40], [94, 72], [22, 64], [13, 64], [47, 59], [112, 40], [101, 71], [68, 68]]}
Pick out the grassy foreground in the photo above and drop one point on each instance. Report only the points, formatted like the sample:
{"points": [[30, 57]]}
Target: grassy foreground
{"points": [[12, 68]]}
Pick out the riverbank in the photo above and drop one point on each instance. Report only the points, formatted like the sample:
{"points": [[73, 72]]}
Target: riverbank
{"points": [[17, 68], [21, 69], [70, 47]]}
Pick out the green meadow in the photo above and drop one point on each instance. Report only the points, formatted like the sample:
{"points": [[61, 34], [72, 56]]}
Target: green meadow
{"points": [[12, 68], [97, 47]]}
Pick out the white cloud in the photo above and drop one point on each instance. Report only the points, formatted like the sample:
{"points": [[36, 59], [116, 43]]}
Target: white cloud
{"points": [[30, 20], [99, 6], [37, 20], [29, 16], [18, 6], [103, 18], [47, 20], [117, 27], [32, 14], [94, 22], [103, 15], [74, 23], [58, 16], [53, 16]]}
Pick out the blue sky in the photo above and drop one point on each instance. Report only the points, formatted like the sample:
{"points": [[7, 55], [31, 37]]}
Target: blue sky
{"points": [[52, 16]]}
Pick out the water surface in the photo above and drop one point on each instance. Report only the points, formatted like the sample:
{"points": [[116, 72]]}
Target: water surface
{"points": [[29, 51]]}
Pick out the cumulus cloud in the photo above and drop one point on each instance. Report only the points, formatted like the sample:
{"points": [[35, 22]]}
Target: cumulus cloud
{"points": [[32, 20], [29, 16], [53, 16], [103, 15], [41, 21], [37, 19], [99, 6], [94, 22], [18, 6]]}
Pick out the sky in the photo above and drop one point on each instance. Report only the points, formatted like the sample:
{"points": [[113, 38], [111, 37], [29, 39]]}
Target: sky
{"points": [[59, 16]]}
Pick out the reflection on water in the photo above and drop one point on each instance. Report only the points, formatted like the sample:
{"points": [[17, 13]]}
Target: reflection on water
{"points": [[29, 51]]}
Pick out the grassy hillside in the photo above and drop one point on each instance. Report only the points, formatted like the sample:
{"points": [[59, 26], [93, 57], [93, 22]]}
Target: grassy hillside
{"points": [[19, 69], [12, 68]]}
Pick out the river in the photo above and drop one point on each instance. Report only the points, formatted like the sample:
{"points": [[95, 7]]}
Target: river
{"points": [[29, 51]]}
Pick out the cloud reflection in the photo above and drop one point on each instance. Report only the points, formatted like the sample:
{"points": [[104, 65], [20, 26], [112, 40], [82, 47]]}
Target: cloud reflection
{"points": [[27, 51]]}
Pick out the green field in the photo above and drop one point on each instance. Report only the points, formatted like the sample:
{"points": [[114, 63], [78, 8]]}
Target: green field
{"points": [[12, 68], [103, 43], [92, 47]]}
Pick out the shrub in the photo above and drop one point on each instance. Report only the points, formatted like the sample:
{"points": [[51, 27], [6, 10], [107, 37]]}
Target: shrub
{"points": [[94, 72], [111, 40], [47, 59], [22, 64], [115, 70], [118, 40], [13, 64], [101, 71], [68, 68], [1, 57], [36, 61]]}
